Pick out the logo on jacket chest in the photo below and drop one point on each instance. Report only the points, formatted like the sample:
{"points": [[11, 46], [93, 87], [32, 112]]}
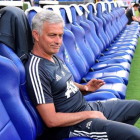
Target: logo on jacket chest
{"points": [[71, 88]]}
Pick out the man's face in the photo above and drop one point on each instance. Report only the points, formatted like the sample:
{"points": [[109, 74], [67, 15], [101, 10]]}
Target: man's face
{"points": [[136, 8], [51, 38]]}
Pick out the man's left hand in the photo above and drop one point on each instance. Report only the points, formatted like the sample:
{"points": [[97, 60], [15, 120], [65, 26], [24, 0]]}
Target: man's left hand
{"points": [[94, 85]]}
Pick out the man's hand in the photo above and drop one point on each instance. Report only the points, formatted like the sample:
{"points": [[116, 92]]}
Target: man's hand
{"points": [[97, 114], [138, 19], [93, 85]]}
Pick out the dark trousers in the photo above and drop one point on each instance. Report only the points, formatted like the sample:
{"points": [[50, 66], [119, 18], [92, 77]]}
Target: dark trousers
{"points": [[121, 116]]}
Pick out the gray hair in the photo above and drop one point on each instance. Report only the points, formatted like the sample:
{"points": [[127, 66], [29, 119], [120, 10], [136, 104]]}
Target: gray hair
{"points": [[45, 16]]}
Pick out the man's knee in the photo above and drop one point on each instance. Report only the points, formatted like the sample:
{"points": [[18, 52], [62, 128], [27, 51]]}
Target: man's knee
{"points": [[128, 132], [135, 134], [136, 103]]}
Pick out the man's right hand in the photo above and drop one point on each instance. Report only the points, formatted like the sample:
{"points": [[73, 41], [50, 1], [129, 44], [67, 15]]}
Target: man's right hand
{"points": [[96, 114]]}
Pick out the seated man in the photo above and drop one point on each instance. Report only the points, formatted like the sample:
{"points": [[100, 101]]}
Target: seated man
{"points": [[131, 14], [59, 100]]}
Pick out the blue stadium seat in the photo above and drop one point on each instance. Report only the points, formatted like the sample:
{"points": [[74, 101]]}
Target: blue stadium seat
{"points": [[16, 122], [31, 15], [10, 54]]}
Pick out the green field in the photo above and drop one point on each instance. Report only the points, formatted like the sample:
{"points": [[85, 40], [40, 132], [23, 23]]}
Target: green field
{"points": [[133, 88]]}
